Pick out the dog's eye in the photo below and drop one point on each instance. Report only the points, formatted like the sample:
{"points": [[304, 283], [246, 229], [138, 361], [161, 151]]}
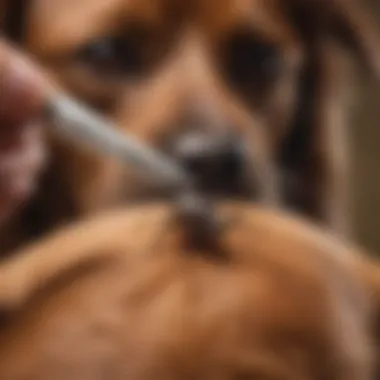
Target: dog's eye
{"points": [[251, 62], [112, 55]]}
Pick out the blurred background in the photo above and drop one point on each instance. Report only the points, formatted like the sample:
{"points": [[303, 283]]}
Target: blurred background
{"points": [[365, 143]]}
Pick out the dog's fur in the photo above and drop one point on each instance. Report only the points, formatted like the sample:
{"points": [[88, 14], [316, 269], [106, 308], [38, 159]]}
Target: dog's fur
{"points": [[266, 70], [122, 296]]}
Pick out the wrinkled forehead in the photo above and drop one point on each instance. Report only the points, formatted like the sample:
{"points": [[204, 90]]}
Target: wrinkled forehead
{"points": [[69, 21]]}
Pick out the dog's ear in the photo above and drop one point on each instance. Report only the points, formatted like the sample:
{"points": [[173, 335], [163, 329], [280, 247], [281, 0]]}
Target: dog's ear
{"points": [[315, 151], [357, 31], [13, 19], [345, 21]]}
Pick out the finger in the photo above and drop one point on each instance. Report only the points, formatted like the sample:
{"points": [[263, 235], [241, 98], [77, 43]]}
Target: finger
{"points": [[21, 90]]}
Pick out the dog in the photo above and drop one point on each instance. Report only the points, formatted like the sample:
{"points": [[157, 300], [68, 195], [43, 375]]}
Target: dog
{"points": [[125, 295], [246, 95]]}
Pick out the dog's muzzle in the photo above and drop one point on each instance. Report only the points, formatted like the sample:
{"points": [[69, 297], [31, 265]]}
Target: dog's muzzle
{"points": [[217, 163]]}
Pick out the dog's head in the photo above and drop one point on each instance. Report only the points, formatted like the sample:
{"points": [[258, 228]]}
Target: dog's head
{"points": [[235, 90]]}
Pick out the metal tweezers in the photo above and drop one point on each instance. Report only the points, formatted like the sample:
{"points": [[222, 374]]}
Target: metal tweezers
{"points": [[77, 122]]}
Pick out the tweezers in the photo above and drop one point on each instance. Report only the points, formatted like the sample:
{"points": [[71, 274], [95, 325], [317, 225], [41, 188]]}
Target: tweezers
{"points": [[77, 122]]}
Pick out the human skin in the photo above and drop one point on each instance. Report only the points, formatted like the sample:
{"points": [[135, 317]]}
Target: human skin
{"points": [[21, 146]]}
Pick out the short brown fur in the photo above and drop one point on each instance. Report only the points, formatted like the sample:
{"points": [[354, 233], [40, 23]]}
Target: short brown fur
{"points": [[120, 296]]}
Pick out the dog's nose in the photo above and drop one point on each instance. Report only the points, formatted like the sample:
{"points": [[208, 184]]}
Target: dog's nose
{"points": [[217, 164]]}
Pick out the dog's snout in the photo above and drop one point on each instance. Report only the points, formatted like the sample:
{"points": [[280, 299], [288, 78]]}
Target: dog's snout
{"points": [[216, 163]]}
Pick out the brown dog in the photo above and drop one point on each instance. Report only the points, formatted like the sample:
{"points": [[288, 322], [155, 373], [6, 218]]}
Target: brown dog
{"points": [[245, 94], [123, 296]]}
